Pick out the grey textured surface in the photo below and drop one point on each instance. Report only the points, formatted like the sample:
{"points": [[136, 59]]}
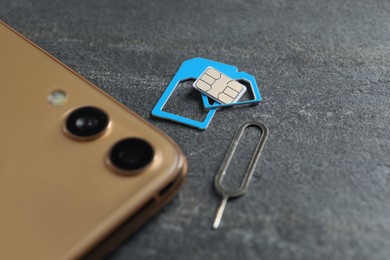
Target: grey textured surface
{"points": [[320, 190]]}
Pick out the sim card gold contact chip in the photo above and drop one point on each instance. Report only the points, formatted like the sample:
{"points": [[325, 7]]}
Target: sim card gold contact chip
{"points": [[219, 87]]}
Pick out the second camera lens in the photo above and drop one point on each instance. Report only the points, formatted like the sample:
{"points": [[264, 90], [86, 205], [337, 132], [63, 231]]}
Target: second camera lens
{"points": [[87, 122], [131, 154]]}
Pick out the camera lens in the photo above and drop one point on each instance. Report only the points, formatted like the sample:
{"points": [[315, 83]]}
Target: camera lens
{"points": [[86, 122], [131, 154]]}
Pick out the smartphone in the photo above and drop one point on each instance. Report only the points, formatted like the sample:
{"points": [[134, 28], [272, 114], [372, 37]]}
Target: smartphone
{"points": [[79, 172]]}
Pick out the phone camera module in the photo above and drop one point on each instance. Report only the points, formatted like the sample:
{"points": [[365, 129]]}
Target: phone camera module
{"points": [[87, 122], [130, 155]]}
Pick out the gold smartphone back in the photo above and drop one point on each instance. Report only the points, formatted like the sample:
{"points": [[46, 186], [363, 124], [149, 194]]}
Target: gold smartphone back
{"points": [[59, 197]]}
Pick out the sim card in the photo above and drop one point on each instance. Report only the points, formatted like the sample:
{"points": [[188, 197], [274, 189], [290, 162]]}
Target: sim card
{"points": [[193, 69], [219, 87]]}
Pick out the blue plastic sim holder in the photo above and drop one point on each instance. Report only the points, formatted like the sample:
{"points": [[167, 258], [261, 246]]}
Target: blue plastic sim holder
{"points": [[237, 76], [190, 69]]}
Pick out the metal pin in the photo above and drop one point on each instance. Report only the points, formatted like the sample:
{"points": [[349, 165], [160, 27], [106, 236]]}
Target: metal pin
{"points": [[220, 211], [248, 175]]}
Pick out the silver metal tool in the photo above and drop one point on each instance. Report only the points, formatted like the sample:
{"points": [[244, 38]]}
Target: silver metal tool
{"points": [[248, 175]]}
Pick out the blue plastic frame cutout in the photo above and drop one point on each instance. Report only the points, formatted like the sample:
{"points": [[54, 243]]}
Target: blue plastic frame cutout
{"points": [[192, 69]]}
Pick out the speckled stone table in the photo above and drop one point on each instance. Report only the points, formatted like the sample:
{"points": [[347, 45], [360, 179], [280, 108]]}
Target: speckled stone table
{"points": [[321, 188]]}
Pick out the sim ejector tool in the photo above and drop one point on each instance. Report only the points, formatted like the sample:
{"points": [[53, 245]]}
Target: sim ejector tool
{"points": [[248, 175]]}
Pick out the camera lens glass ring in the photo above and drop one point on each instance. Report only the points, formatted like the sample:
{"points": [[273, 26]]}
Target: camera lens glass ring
{"points": [[131, 154], [87, 122]]}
